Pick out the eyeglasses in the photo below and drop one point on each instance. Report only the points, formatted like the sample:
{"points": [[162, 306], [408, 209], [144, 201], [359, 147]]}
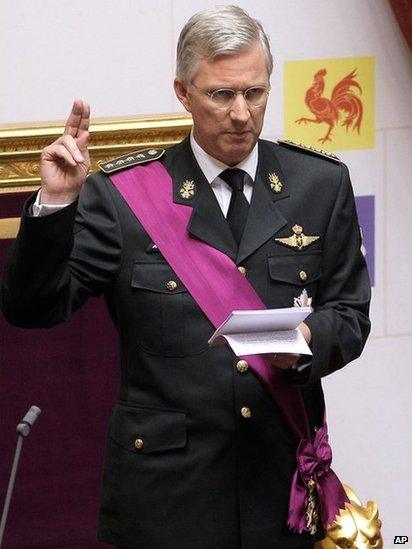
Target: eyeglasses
{"points": [[223, 98]]}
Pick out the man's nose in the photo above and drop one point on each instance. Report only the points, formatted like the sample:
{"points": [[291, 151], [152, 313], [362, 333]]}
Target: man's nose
{"points": [[239, 110]]}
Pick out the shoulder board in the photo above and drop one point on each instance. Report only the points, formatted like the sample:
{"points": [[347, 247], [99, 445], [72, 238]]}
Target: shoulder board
{"points": [[308, 148], [131, 159]]}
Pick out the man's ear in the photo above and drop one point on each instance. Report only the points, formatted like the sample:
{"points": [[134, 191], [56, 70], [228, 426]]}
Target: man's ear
{"points": [[181, 93]]}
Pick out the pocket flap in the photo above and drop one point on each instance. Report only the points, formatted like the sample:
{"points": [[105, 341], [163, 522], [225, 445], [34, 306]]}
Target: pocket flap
{"points": [[298, 269], [159, 429], [157, 277]]}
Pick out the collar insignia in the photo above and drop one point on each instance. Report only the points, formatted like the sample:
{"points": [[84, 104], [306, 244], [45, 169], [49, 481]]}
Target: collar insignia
{"points": [[188, 189], [275, 183], [298, 240]]}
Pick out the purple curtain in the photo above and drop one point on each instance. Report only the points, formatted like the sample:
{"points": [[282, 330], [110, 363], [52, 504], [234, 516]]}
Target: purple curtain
{"points": [[70, 372], [403, 13]]}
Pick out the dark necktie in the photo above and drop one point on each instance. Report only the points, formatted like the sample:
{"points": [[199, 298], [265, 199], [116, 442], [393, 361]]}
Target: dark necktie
{"points": [[239, 206]]}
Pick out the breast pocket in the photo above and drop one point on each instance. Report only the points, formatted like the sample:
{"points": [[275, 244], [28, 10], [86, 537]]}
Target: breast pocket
{"points": [[289, 274], [167, 320], [146, 452]]}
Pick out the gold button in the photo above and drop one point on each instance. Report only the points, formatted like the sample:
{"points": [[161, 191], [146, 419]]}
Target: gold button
{"points": [[242, 366], [242, 270], [303, 276], [246, 413], [138, 444], [171, 285]]}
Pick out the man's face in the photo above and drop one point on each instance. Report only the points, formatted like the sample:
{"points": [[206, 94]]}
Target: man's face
{"points": [[228, 134]]}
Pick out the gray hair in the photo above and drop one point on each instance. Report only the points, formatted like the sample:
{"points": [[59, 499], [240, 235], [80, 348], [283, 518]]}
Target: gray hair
{"points": [[221, 30]]}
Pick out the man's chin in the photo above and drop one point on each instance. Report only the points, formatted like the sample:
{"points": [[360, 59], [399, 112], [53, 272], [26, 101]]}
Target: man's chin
{"points": [[239, 148]]}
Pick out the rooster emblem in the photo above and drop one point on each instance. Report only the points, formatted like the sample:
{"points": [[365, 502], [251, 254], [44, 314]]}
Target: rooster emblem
{"points": [[344, 106]]}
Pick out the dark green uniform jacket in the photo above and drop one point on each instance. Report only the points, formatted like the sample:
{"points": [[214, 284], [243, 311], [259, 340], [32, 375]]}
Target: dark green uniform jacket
{"points": [[204, 477]]}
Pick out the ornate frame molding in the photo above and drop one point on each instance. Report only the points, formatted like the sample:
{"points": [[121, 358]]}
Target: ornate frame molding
{"points": [[9, 227], [21, 146]]}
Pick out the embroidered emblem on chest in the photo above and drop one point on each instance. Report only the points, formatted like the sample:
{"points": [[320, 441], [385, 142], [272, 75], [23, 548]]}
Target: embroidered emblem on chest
{"points": [[298, 240]]}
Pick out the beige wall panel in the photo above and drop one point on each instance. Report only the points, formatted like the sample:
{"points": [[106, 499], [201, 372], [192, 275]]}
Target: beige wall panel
{"points": [[399, 231], [367, 174], [120, 55], [116, 55], [370, 409]]}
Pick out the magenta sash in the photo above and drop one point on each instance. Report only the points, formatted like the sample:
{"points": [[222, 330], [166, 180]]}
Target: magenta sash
{"points": [[217, 286]]}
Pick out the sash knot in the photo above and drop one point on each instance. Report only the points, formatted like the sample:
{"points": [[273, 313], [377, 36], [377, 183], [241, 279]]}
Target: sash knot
{"points": [[314, 458], [316, 491]]}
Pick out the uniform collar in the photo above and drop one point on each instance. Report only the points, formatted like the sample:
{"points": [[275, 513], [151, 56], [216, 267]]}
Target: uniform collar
{"points": [[268, 209], [211, 167]]}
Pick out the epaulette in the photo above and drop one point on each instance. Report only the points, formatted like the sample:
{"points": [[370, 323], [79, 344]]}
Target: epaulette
{"points": [[308, 148], [131, 159]]}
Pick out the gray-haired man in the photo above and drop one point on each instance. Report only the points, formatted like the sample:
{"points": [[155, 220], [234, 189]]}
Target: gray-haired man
{"points": [[198, 454]]}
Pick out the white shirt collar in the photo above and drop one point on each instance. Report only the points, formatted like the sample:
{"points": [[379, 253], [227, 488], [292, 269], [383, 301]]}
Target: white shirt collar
{"points": [[211, 167]]}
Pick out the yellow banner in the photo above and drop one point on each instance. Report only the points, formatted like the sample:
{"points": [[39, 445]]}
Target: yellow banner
{"points": [[330, 103]]}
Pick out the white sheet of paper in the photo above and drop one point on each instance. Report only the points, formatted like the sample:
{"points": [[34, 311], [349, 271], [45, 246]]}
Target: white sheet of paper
{"points": [[261, 332]]}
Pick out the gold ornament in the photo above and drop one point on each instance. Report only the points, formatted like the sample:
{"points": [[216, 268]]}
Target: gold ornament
{"points": [[312, 513], [356, 527]]}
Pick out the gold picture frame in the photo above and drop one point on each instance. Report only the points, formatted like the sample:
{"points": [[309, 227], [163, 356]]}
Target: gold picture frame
{"points": [[21, 145]]}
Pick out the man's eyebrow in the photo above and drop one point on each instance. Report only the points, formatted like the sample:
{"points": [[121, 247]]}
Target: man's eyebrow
{"points": [[228, 87]]}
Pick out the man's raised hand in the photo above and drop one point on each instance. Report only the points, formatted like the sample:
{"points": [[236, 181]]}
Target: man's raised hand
{"points": [[65, 163]]}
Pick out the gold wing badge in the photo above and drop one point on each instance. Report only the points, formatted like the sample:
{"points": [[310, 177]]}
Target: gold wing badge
{"points": [[298, 240]]}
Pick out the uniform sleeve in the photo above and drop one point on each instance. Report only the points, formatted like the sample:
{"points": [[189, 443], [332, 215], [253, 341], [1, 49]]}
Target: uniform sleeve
{"points": [[58, 261], [340, 323]]}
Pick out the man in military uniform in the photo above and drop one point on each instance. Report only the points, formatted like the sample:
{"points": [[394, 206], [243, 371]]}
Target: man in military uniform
{"points": [[198, 453]]}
